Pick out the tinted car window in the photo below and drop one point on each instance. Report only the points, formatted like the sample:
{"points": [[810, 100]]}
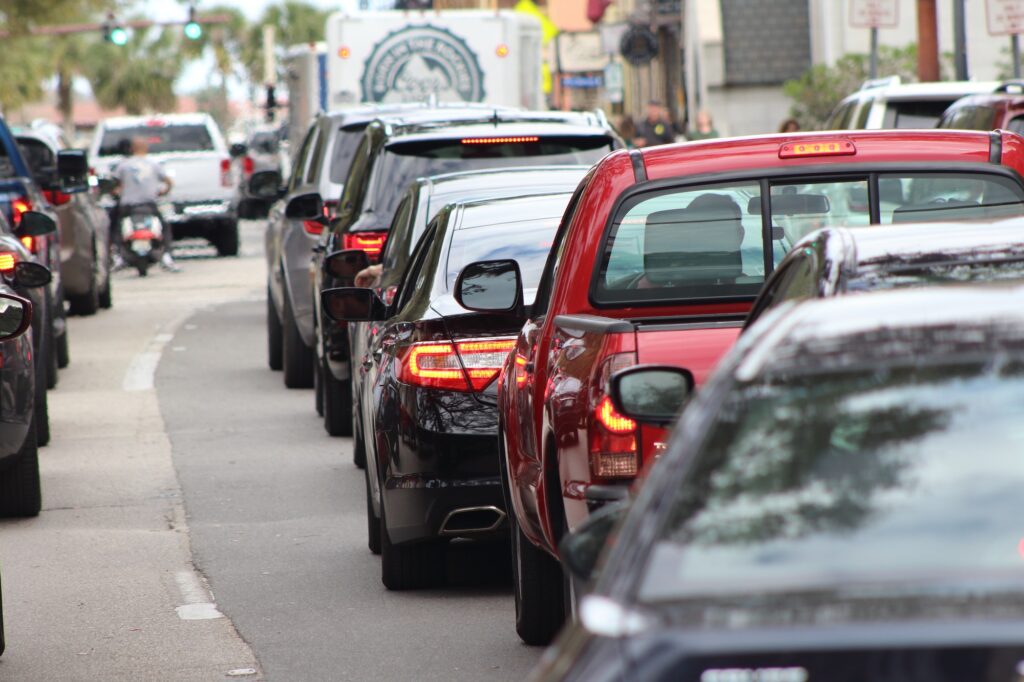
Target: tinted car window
{"points": [[948, 196], [1016, 125], [6, 165], [36, 154], [915, 114], [969, 118], [161, 139], [300, 159], [265, 143], [865, 476], [345, 144]]}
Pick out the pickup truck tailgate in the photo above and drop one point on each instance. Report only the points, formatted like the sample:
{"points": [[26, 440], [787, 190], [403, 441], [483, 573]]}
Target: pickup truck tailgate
{"points": [[696, 346], [197, 177]]}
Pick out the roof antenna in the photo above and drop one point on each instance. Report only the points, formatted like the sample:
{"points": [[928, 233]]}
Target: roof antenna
{"points": [[495, 119]]}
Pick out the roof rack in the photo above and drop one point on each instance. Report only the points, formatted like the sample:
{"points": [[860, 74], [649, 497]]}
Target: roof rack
{"points": [[885, 82]]}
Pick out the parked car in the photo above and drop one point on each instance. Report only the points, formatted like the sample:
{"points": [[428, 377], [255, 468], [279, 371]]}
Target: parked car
{"points": [[320, 165], [429, 385], [661, 255], [83, 225], [394, 152], [890, 103], [260, 152], [192, 151], [1001, 109], [839, 502], [422, 202], [838, 261], [19, 194]]}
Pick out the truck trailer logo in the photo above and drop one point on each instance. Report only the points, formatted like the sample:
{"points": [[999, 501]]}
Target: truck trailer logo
{"points": [[415, 62]]}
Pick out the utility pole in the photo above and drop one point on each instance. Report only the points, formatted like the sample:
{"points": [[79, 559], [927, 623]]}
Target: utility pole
{"points": [[927, 41], [959, 40]]}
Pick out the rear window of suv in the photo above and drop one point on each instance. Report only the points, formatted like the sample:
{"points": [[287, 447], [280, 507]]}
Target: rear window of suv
{"points": [[345, 144], [161, 139]]}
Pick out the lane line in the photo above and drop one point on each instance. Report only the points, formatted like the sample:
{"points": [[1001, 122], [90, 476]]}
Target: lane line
{"points": [[141, 370]]}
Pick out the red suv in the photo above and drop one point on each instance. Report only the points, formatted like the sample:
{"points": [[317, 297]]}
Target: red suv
{"points": [[658, 259], [1002, 109]]}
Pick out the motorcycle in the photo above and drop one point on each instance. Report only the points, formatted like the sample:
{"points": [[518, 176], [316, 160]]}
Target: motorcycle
{"points": [[142, 232]]}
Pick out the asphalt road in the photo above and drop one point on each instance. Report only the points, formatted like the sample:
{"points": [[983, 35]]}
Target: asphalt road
{"points": [[198, 523]]}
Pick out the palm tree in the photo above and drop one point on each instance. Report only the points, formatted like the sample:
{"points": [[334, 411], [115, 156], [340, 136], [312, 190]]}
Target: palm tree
{"points": [[139, 75]]}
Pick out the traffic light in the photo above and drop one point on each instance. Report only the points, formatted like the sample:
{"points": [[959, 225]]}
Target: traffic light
{"points": [[193, 31], [271, 102], [114, 32]]}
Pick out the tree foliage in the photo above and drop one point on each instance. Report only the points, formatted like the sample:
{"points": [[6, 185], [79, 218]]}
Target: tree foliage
{"points": [[139, 75]]}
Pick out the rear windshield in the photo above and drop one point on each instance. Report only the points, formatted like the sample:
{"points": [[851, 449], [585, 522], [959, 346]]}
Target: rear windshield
{"points": [[265, 143], [37, 154], [7, 169], [970, 118], [345, 144], [708, 242], [402, 163], [161, 139], [915, 114]]}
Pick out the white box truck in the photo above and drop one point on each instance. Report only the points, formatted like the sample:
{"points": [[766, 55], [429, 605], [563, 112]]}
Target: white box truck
{"points": [[455, 55], [305, 68]]}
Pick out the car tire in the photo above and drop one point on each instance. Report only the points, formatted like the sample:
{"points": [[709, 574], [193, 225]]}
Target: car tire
{"points": [[372, 521], [41, 411], [538, 585], [275, 352], [297, 358], [337, 404], [20, 489], [106, 295], [411, 566], [318, 389], [63, 350], [227, 239], [89, 302], [48, 351], [358, 439]]}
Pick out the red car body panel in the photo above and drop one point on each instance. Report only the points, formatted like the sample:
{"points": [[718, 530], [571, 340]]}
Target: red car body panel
{"points": [[548, 385]]}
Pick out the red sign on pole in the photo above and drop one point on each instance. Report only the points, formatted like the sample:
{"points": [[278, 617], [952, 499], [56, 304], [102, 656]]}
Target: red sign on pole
{"points": [[1005, 17], [874, 13]]}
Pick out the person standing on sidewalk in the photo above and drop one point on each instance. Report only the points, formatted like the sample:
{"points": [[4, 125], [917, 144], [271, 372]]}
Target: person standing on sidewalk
{"points": [[141, 182], [655, 128]]}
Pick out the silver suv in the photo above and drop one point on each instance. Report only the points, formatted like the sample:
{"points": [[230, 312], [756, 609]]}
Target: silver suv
{"points": [[889, 103]]}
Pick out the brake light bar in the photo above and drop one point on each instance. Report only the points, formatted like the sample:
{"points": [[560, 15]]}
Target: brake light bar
{"points": [[7, 262], [500, 140], [792, 150], [370, 242], [31, 243], [461, 366]]}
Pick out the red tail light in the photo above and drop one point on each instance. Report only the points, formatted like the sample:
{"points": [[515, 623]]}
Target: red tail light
{"points": [[56, 197], [19, 206], [7, 262], [225, 172], [330, 209], [612, 436], [248, 166], [313, 227], [32, 244], [500, 140], [370, 242], [462, 366]]}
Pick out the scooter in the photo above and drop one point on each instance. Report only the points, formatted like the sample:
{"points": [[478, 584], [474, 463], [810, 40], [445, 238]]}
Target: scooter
{"points": [[142, 231]]}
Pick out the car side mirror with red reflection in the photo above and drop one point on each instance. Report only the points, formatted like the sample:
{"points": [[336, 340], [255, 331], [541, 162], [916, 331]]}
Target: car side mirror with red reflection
{"points": [[345, 265], [35, 224], [353, 304], [15, 316], [651, 394], [30, 275]]}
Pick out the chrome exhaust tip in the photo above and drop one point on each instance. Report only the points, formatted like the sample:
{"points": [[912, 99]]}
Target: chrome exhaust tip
{"points": [[471, 520]]}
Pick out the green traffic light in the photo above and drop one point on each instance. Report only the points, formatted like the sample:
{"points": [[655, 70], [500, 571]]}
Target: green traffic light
{"points": [[118, 36], [193, 31]]}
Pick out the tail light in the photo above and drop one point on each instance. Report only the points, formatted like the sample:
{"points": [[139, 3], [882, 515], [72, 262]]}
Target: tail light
{"points": [[462, 366], [314, 227], [56, 197], [7, 262], [370, 242], [248, 166], [19, 207], [520, 370], [330, 209], [500, 140], [613, 437], [225, 172], [33, 244]]}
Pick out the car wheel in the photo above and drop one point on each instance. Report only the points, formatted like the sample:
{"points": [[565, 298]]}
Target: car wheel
{"points": [[20, 493], [89, 302], [63, 350], [106, 296], [42, 416], [538, 582], [227, 239], [372, 521], [318, 389], [297, 357], [48, 351], [275, 353], [337, 404], [358, 442], [412, 566]]}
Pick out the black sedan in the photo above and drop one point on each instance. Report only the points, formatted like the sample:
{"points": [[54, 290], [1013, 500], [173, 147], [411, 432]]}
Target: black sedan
{"points": [[841, 501], [429, 390]]}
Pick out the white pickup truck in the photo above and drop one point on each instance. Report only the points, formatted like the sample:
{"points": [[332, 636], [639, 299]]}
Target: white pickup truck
{"points": [[191, 149]]}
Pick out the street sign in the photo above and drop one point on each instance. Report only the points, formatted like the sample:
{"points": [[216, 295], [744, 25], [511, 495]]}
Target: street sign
{"points": [[613, 82], [1005, 17], [639, 45], [581, 81], [874, 13]]}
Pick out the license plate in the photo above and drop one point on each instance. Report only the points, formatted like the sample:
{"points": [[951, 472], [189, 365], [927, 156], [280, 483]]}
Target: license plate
{"points": [[140, 247], [202, 208]]}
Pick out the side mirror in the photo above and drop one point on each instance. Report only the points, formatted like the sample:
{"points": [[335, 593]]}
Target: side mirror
{"points": [[353, 304], [15, 316], [345, 265], [35, 224], [493, 286], [265, 184], [305, 207], [73, 170], [581, 549], [651, 394], [29, 274], [238, 149]]}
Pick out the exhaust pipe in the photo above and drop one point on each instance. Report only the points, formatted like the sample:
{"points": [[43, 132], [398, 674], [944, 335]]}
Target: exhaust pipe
{"points": [[470, 520]]}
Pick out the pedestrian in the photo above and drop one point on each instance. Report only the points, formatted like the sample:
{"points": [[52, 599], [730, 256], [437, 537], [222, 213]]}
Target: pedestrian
{"points": [[790, 125], [704, 128], [627, 129], [655, 128], [141, 182]]}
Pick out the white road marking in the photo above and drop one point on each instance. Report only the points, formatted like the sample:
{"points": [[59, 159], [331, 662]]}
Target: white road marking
{"points": [[198, 602], [142, 369]]}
